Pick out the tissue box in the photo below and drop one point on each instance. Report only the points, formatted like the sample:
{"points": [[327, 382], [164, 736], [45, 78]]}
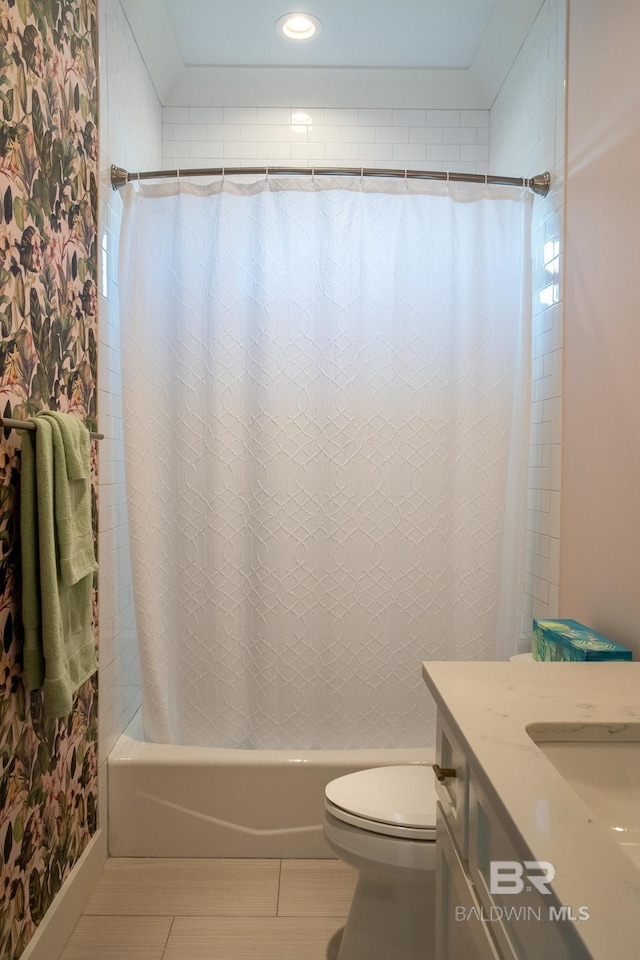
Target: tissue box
{"points": [[570, 640]]}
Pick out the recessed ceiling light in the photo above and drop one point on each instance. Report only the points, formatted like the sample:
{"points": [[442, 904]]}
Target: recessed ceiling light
{"points": [[298, 26]]}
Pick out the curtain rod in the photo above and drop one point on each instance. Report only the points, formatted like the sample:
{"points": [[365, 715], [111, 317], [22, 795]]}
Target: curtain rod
{"points": [[7, 424], [539, 184]]}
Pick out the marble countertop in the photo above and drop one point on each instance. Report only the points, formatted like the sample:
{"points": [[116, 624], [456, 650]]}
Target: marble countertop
{"points": [[489, 706]]}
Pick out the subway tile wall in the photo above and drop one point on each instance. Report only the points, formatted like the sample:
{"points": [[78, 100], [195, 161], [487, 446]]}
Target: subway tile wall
{"points": [[130, 127], [454, 140], [527, 136]]}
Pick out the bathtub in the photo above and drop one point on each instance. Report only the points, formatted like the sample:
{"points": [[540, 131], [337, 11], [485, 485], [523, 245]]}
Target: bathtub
{"points": [[173, 801]]}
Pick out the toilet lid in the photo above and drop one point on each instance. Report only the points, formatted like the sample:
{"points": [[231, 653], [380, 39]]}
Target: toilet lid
{"points": [[401, 796]]}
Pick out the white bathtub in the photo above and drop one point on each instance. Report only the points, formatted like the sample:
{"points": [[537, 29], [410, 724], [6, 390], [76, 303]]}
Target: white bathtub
{"points": [[173, 801]]}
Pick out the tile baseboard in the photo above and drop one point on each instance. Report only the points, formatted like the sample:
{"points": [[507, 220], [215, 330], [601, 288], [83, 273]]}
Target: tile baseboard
{"points": [[60, 920]]}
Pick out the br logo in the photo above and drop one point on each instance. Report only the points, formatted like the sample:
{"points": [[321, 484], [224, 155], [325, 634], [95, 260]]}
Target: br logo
{"points": [[513, 876]]}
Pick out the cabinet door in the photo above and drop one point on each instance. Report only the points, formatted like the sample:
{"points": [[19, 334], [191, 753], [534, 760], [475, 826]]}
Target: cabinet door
{"points": [[461, 934], [526, 928]]}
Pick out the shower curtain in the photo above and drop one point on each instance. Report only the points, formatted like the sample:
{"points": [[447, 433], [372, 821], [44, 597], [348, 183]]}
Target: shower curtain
{"points": [[326, 403]]}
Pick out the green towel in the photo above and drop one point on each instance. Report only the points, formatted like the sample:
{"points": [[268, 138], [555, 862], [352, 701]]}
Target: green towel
{"points": [[58, 560], [71, 450]]}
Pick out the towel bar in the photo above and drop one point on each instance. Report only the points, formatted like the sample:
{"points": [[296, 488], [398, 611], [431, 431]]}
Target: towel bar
{"points": [[8, 424]]}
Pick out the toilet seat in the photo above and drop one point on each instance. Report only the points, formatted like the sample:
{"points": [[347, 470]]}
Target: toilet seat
{"points": [[397, 801]]}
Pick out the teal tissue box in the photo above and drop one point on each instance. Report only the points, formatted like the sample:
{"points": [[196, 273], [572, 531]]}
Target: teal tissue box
{"points": [[570, 640]]}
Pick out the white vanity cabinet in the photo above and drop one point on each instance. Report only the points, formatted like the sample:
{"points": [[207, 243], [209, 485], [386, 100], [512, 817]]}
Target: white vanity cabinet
{"points": [[472, 921], [536, 858]]}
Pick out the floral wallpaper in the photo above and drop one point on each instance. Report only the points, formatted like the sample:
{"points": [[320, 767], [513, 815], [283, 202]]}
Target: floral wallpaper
{"points": [[48, 214]]}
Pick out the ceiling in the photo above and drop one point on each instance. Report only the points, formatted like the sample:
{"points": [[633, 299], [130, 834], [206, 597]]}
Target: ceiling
{"points": [[445, 53], [356, 33]]}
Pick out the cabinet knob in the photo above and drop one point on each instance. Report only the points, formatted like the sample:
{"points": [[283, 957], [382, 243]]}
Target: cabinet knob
{"points": [[443, 772]]}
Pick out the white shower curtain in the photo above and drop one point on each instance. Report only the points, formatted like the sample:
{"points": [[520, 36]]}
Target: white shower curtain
{"points": [[326, 401]]}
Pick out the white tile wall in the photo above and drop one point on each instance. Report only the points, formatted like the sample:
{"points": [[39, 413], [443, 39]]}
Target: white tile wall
{"points": [[451, 140], [130, 127], [527, 136]]}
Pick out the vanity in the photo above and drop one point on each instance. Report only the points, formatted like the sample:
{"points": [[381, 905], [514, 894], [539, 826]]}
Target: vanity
{"points": [[538, 814]]}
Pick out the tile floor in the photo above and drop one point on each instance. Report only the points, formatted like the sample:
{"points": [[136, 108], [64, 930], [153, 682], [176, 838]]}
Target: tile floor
{"points": [[215, 910]]}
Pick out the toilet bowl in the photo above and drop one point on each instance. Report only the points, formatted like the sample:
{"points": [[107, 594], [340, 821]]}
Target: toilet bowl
{"points": [[382, 822]]}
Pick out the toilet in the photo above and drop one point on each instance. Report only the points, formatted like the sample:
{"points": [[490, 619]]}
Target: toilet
{"points": [[382, 822]]}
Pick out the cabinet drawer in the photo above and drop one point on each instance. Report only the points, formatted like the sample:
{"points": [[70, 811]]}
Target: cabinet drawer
{"points": [[461, 933], [453, 792]]}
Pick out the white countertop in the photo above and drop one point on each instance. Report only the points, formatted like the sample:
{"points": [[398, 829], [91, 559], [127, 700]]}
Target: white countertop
{"points": [[488, 705]]}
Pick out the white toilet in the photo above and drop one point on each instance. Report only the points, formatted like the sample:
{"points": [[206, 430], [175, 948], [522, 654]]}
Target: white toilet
{"points": [[383, 823]]}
